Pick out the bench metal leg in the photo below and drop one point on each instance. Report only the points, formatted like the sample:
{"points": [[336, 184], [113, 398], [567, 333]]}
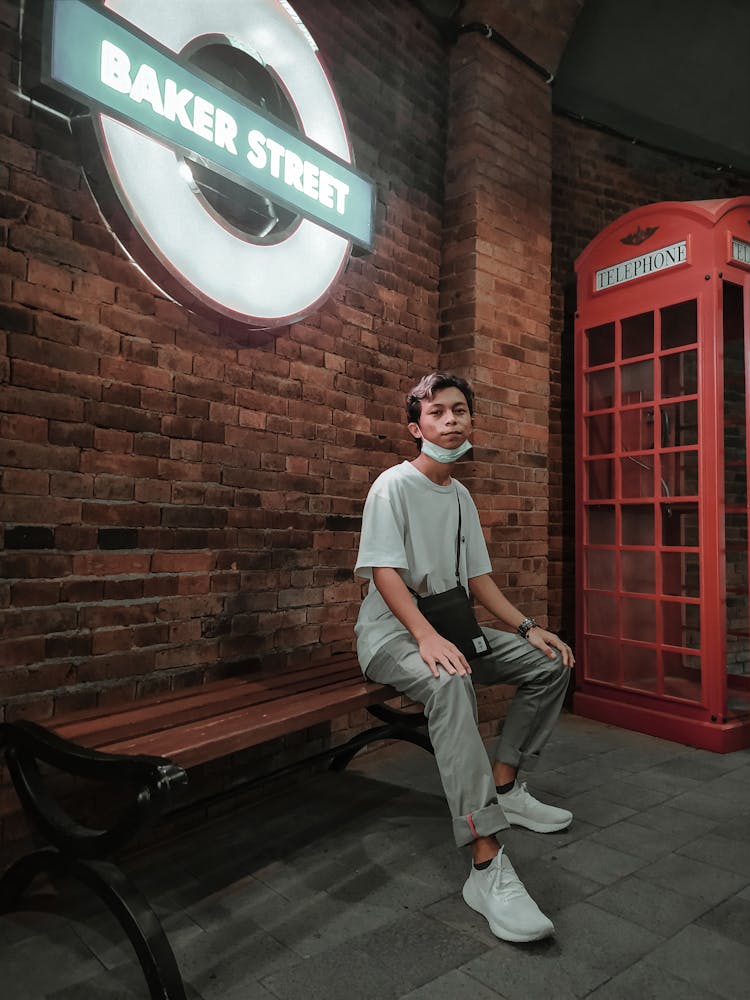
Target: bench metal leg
{"points": [[407, 726], [80, 851], [128, 906]]}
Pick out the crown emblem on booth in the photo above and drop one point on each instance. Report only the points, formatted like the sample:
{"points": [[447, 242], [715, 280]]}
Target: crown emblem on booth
{"points": [[639, 236]]}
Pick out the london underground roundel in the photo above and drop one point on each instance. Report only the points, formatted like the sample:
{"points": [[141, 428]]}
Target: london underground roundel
{"points": [[159, 119]]}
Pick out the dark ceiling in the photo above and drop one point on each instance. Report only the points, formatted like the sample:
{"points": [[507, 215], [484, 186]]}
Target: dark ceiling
{"points": [[671, 73], [668, 73]]}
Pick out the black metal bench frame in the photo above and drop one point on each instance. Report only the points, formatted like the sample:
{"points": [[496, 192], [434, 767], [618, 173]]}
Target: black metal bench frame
{"points": [[85, 854]]}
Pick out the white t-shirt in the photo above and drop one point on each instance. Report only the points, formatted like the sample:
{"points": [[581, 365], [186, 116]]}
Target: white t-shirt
{"points": [[410, 524]]}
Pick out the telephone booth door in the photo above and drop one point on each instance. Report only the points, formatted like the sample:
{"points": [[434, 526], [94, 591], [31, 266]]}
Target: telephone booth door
{"points": [[662, 355]]}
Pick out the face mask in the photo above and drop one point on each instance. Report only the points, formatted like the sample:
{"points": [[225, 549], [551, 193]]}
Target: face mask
{"points": [[444, 455]]}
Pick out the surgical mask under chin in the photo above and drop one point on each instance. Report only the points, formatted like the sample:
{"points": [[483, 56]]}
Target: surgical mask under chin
{"points": [[444, 455]]}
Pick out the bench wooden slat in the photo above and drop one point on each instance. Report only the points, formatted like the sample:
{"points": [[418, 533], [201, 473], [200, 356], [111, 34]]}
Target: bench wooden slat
{"points": [[165, 698], [198, 742], [154, 716]]}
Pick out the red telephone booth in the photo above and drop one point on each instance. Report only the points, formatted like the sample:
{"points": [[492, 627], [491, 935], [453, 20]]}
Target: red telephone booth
{"points": [[662, 370]]}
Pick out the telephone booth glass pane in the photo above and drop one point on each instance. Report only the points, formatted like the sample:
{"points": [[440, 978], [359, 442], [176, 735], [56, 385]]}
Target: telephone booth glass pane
{"points": [[679, 524], [600, 342], [679, 325], [680, 474], [638, 619], [681, 624], [600, 480], [679, 374], [601, 525], [601, 613], [640, 667], [638, 571], [600, 430], [736, 503], [637, 385], [679, 424], [637, 525], [680, 574], [601, 389], [682, 675], [638, 335], [603, 659], [601, 568], [637, 476], [637, 429]]}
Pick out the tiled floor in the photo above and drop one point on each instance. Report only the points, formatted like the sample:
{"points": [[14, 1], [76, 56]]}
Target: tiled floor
{"points": [[351, 890]]}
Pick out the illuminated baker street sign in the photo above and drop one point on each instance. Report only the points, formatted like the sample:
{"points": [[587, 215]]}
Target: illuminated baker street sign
{"points": [[125, 61], [639, 267]]}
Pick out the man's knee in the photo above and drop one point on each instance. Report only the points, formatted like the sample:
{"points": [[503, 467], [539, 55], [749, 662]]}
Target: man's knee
{"points": [[453, 693]]}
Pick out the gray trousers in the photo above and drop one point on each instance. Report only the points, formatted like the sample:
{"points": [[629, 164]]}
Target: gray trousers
{"points": [[451, 709]]}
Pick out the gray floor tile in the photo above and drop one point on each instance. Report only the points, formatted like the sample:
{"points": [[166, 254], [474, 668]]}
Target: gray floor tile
{"points": [[453, 986], [696, 768], [592, 807], [418, 950], [633, 795], [643, 981], [665, 818], [693, 878], [734, 786], [734, 855], [553, 887], [602, 940], [66, 960], [652, 906], [340, 974], [709, 806], [642, 758], [730, 918], [592, 772], [707, 960], [536, 971], [670, 784], [594, 861], [642, 841]]}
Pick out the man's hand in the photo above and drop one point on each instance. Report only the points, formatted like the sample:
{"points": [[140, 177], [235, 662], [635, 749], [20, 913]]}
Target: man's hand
{"points": [[548, 642], [437, 652]]}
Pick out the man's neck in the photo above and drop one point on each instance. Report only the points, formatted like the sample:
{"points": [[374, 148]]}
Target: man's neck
{"points": [[437, 472]]}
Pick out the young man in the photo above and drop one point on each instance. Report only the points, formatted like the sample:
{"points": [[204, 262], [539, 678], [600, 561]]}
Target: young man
{"points": [[408, 545]]}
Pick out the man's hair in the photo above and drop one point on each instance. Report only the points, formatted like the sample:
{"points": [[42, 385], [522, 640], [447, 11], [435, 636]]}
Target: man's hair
{"points": [[429, 385]]}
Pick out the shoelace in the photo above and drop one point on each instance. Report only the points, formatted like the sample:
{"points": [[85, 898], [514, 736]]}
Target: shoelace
{"points": [[506, 880]]}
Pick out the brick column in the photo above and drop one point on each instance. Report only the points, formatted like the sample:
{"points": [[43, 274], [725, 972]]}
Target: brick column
{"points": [[495, 282]]}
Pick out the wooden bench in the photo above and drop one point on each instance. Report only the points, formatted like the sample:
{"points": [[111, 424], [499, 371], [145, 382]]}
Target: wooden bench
{"points": [[144, 751]]}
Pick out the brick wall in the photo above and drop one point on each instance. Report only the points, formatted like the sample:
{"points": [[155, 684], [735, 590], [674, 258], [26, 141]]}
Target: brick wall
{"points": [[597, 177], [179, 494], [496, 272]]}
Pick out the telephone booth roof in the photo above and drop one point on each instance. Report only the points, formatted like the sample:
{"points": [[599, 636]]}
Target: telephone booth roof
{"points": [[690, 233]]}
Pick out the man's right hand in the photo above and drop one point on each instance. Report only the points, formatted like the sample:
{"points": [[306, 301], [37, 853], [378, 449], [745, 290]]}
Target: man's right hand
{"points": [[439, 654]]}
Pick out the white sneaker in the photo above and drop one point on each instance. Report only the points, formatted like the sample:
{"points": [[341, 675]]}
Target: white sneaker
{"points": [[522, 809], [499, 895]]}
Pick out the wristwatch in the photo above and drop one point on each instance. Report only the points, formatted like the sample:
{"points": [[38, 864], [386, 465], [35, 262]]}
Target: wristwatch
{"points": [[526, 626]]}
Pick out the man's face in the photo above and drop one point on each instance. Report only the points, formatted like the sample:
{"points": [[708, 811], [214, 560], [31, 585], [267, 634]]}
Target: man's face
{"points": [[445, 419]]}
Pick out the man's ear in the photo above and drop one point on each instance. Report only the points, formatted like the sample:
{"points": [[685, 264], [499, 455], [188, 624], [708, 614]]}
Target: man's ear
{"points": [[414, 430]]}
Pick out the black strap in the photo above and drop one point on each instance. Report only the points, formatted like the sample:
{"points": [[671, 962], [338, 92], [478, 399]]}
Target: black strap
{"points": [[458, 539]]}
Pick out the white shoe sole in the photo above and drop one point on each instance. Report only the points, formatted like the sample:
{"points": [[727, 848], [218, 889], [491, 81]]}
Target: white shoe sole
{"points": [[535, 825], [504, 933]]}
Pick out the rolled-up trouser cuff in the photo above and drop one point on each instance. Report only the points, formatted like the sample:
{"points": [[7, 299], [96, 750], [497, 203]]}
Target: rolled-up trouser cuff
{"points": [[509, 755], [482, 822]]}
